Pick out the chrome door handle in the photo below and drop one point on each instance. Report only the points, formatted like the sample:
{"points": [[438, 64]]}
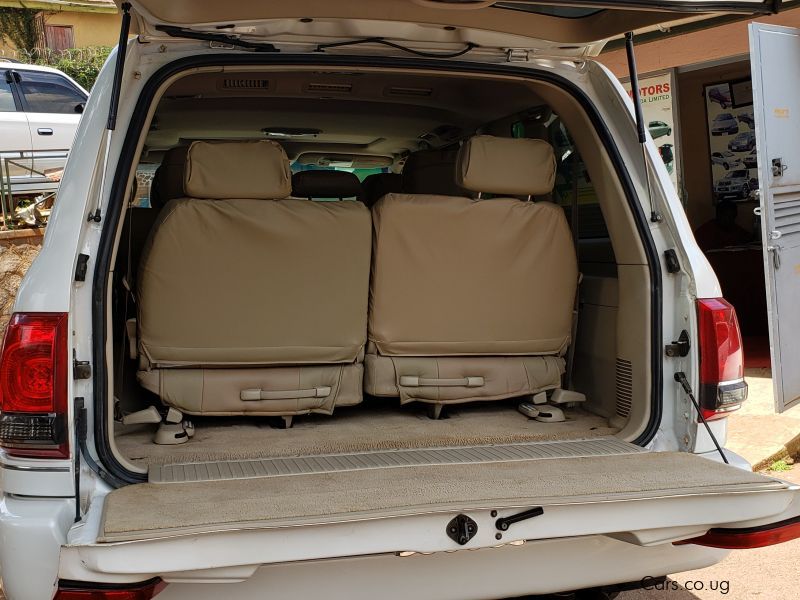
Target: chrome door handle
{"points": [[44, 131]]}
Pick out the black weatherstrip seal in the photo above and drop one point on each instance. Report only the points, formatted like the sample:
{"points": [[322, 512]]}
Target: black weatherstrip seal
{"points": [[134, 131]]}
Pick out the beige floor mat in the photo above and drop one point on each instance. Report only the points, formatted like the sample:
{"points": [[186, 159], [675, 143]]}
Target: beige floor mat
{"points": [[158, 509], [373, 425]]}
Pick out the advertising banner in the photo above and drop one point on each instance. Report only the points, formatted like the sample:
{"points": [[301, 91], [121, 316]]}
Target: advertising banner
{"points": [[732, 140], [660, 114]]}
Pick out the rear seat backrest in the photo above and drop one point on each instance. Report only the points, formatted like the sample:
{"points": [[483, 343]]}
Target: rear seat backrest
{"points": [[472, 299], [249, 303]]}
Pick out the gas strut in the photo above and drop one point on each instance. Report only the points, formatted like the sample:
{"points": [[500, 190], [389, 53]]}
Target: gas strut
{"points": [[680, 377], [111, 124], [641, 131]]}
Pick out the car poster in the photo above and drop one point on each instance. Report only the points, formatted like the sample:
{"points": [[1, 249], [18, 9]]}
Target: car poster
{"points": [[658, 107], [732, 140]]}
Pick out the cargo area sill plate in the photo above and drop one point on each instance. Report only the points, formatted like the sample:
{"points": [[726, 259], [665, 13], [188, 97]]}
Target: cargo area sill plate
{"points": [[333, 463]]}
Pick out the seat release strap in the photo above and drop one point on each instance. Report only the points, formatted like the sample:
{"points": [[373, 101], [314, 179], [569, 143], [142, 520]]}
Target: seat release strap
{"points": [[257, 394], [413, 381]]}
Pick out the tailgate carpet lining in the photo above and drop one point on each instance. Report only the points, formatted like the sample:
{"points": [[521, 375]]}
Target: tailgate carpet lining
{"points": [[151, 510]]}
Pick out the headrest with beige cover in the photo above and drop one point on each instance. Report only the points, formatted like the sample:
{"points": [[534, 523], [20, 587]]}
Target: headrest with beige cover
{"points": [[256, 169], [512, 166]]}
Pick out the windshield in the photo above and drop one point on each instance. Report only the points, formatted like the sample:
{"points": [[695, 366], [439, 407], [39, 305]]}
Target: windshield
{"points": [[724, 117]]}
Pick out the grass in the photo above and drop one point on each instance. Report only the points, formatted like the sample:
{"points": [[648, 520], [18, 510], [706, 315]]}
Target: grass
{"points": [[780, 465]]}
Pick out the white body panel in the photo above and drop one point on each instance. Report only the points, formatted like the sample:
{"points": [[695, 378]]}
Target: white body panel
{"points": [[306, 562]]}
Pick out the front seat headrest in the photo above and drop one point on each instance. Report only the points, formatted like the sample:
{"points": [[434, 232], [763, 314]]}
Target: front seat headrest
{"points": [[377, 185], [512, 166], [257, 169], [431, 172], [168, 180], [326, 184]]}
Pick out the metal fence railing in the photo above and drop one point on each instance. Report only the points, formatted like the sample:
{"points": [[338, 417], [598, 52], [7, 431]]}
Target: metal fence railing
{"points": [[25, 174]]}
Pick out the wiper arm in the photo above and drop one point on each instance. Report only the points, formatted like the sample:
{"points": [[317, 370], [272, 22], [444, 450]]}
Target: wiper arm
{"points": [[222, 38], [378, 40]]}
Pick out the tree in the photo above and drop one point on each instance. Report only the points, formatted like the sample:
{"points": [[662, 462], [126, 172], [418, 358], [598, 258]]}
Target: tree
{"points": [[20, 26]]}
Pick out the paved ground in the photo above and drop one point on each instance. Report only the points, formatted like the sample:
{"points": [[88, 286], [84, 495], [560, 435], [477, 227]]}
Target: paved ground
{"points": [[769, 573], [756, 432]]}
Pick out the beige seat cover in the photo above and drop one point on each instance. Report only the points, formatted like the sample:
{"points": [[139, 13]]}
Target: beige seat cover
{"points": [[457, 277], [251, 282]]}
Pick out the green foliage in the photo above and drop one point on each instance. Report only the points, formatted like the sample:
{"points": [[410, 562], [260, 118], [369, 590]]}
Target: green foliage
{"points": [[780, 465], [20, 26], [82, 64]]}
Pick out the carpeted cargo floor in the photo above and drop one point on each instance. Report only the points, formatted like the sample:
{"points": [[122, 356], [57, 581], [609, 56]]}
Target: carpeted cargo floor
{"points": [[377, 424], [153, 510]]}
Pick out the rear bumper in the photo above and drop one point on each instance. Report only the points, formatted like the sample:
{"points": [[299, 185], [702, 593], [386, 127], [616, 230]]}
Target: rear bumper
{"points": [[506, 572], [32, 531]]}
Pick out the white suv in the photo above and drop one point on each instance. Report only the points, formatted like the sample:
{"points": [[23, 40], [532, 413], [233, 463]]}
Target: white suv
{"points": [[319, 312], [40, 109]]}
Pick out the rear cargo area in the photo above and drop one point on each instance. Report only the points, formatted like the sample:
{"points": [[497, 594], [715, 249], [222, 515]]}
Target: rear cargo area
{"points": [[337, 292]]}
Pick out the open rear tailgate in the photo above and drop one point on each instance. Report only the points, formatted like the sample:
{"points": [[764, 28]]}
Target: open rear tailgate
{"points": [[303, 511]]}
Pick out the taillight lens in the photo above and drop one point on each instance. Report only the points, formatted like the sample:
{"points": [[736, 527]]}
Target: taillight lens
{"points": [[34, 367], [138, 591], [749, 537], [722, 385]]}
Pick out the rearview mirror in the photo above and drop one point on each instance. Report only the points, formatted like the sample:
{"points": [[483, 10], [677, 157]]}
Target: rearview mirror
{"points": [[79, 107]]}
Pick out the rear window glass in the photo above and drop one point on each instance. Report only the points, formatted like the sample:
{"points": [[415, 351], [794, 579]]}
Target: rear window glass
{"points": [[360, 173]]}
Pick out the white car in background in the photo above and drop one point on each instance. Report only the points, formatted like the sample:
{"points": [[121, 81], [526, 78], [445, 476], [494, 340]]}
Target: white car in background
{"points": [[40, 108], [727, 159]]}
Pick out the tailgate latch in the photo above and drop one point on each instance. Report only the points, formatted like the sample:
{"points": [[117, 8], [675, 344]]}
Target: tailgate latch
{"points": [[461, 529], [679, 347]]}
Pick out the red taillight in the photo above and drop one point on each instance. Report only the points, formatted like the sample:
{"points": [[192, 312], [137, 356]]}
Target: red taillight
{"points": [[751, 537], [722, 385], [34, 367], [139, 591]]}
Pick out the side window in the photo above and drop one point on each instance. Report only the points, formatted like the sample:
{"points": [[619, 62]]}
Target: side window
{"points": [[49, 93], [6, 97], [573, 181]]}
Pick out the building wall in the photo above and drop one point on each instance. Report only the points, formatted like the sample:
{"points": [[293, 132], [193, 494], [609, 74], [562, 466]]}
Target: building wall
{"points": [[89, 29], [725, 43], [697, 47]]}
